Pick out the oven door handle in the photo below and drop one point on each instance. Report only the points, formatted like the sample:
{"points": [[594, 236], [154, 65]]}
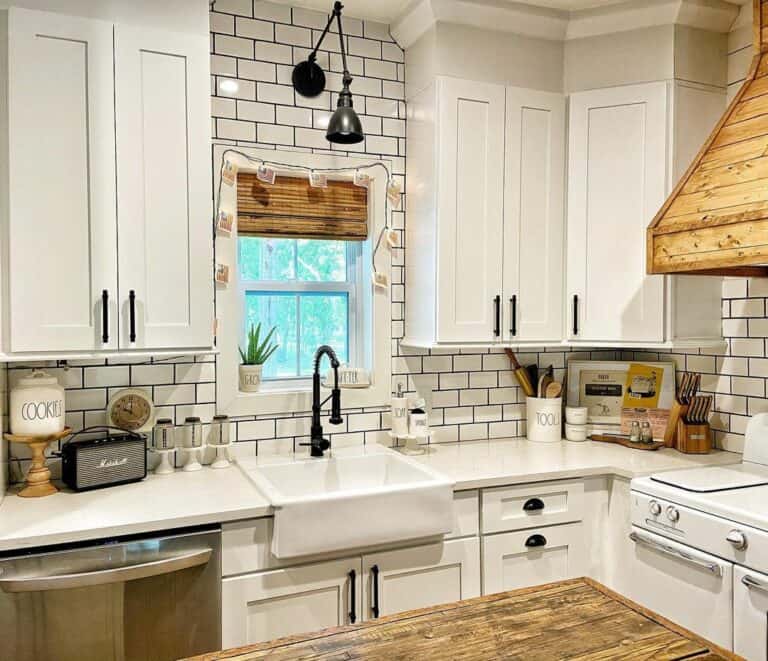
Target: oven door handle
{"points": [[105, 576], [712, 567], [754, 584]]}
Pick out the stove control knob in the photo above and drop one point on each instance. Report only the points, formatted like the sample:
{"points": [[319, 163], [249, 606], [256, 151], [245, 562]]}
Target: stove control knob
{"points": [[654, 508], [672, 514], [738, 539]]}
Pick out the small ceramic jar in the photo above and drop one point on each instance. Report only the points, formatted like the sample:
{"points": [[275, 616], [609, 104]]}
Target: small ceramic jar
{"points": [[576, 415], [37, 405], [576, 433]]}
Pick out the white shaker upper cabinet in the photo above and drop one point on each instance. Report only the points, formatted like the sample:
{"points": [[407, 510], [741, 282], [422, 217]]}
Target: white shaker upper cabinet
{"points": [[534, 215], [60, 226], [617, 182], [164, 203], [470, 191]]}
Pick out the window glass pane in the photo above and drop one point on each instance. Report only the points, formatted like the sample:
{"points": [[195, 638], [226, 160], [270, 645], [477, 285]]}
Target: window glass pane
{"points": [[279, 310], [324, 320], [321, 261], [261, 258]]}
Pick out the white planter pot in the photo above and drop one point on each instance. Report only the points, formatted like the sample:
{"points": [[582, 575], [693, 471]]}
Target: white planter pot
{"points": [[250, 377]]}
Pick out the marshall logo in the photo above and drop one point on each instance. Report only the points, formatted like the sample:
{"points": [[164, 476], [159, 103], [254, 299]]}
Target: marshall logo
{"points": [[113, 463]]}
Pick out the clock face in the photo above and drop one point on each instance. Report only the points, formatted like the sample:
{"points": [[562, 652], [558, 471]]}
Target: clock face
{"points": [[131, 410]]}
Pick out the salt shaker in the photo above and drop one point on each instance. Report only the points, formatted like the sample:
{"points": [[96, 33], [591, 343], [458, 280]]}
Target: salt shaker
{"points": [[646, 435], [634, 432]]}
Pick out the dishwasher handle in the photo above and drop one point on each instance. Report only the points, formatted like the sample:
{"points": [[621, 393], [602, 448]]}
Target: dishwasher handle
{"points": [[712, 567], [753, 584], [120, 574]]}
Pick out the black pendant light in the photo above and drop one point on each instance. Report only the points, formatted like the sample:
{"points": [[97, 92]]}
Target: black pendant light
{"points": [[308, 78]]}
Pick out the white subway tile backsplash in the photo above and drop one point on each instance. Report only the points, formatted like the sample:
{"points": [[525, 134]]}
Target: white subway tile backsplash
{"points": [[241, 7], [151, 374], [254, 29], [253, 111], [295, 36], [236, 46]]}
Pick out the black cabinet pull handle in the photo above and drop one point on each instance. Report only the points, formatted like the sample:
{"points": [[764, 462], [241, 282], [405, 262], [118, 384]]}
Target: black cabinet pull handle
{"points": [[132, 313], [533, 505], [513, 313], [575, 314], [352, 597], [497, 316], [375, 580], [536, 540], [104, 316]]}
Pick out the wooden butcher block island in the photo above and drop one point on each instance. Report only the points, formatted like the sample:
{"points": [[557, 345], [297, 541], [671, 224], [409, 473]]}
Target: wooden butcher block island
{"points": [[575, 619]]}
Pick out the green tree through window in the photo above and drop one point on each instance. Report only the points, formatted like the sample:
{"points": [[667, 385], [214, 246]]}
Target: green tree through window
{"points": [[308, 289]]}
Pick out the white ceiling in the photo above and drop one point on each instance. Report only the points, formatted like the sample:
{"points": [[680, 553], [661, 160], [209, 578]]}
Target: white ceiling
{"points": [[387, 10]]}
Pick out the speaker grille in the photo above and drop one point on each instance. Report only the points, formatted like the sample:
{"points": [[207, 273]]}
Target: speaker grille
{"points": [[118, 461]]}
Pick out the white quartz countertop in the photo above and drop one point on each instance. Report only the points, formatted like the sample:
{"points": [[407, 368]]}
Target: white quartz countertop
{"points": [[160, 502], [215, 496]]}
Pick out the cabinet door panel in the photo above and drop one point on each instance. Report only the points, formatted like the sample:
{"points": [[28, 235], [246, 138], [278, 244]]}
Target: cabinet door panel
{"points": [[61, 227], [617, 174], [534, 214], [470, 204], [422, 576], [510, 560], [283, 602], [164, 175]]}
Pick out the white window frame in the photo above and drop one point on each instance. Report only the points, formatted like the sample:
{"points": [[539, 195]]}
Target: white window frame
{"points": [[351, 286], [376, 316]]}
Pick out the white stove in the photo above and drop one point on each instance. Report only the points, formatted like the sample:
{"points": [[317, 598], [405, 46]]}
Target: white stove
{"points": [[701, 547]]}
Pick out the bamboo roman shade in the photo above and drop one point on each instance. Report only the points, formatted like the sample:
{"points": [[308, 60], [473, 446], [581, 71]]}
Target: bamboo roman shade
{"points": [[292, 208]]}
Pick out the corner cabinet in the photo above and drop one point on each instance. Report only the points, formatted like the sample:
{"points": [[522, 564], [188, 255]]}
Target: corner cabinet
{"points": [[627, 147], [106, 171], [485, 184]]}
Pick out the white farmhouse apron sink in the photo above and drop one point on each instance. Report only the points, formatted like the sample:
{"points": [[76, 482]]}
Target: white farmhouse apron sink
{"points": [[354, 498]]}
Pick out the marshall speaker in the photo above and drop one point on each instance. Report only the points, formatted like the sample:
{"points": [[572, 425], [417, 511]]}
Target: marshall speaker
{"points": [[105, 460]]}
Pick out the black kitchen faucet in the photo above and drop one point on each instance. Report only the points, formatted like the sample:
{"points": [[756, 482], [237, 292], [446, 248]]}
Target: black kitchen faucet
{"points": [[317, 443]]}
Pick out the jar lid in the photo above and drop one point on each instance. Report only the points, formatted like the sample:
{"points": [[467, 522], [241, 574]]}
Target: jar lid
{"points": [[39, 378]]}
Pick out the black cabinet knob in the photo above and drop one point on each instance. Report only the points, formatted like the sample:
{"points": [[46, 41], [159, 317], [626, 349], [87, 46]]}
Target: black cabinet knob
{"points": [[533, 505], [536, 540]]}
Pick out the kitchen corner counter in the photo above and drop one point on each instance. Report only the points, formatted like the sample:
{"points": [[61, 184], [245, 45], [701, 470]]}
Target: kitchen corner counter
{"points": [[481, 464], [157, 503], [217, 496]]}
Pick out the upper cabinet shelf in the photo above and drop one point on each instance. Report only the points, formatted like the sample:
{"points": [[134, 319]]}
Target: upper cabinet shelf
{"points": [[106, 230], [491, 260]]}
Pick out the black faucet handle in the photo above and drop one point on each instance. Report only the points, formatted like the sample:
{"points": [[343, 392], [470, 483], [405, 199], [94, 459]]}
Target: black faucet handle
{"points": [[336, 418]]}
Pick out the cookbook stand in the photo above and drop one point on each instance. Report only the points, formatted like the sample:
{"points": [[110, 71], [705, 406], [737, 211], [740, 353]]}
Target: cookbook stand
{"points": [[38, 481]]}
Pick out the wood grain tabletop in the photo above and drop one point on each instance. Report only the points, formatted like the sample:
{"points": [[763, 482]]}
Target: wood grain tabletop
{"points": [[575, 619]]}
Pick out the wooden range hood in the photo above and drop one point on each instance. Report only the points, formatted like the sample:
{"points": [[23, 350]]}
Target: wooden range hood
{"points": [[715, 222]]}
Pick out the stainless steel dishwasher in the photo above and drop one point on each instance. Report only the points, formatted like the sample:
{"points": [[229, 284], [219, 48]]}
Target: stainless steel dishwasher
{"points": [[137, 598]]}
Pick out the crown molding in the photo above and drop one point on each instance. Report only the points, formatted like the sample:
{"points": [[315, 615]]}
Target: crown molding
{"points": [[541, 23]]}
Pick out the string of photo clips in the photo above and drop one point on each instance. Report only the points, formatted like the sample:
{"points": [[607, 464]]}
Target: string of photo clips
{"points": [[266, 172]]}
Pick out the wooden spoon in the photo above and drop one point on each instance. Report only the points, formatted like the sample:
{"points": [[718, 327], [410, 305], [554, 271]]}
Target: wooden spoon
{"points": [[554, 390]]}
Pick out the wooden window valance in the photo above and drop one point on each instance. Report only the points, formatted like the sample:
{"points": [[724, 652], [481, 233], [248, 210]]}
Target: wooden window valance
{"points": [[291, 208]]}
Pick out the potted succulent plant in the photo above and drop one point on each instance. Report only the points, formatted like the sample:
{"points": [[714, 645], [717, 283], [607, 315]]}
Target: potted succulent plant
{"points": [[253, 358]]}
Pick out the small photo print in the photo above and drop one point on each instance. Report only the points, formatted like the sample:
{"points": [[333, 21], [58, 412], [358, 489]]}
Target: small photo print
{"points": [[222, 274]]}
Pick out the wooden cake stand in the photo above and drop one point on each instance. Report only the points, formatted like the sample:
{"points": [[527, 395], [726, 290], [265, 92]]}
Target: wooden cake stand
{"points": [[38, 482]]}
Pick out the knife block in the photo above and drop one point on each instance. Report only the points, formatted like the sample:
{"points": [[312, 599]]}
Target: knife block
{"points": [[693, 439]]}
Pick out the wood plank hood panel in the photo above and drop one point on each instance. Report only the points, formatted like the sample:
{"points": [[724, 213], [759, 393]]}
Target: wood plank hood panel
{"points": [[716, 219]]}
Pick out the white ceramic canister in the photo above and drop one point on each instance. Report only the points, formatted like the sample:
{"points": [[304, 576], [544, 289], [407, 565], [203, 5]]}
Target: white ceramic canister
{"points": [[576, 415], [37, 405], [544, 419], [575, 433]]}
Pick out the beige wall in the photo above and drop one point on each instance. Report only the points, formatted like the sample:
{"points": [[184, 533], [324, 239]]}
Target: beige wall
{"points": [[484, 55], [739, 50]]}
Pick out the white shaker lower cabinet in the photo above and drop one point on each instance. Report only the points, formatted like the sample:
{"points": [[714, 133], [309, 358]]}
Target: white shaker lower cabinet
{"points": [[58, 210], [259, 607], [163, 183], [532, 557], [405, 579], [750, 622], [624, 155]]}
